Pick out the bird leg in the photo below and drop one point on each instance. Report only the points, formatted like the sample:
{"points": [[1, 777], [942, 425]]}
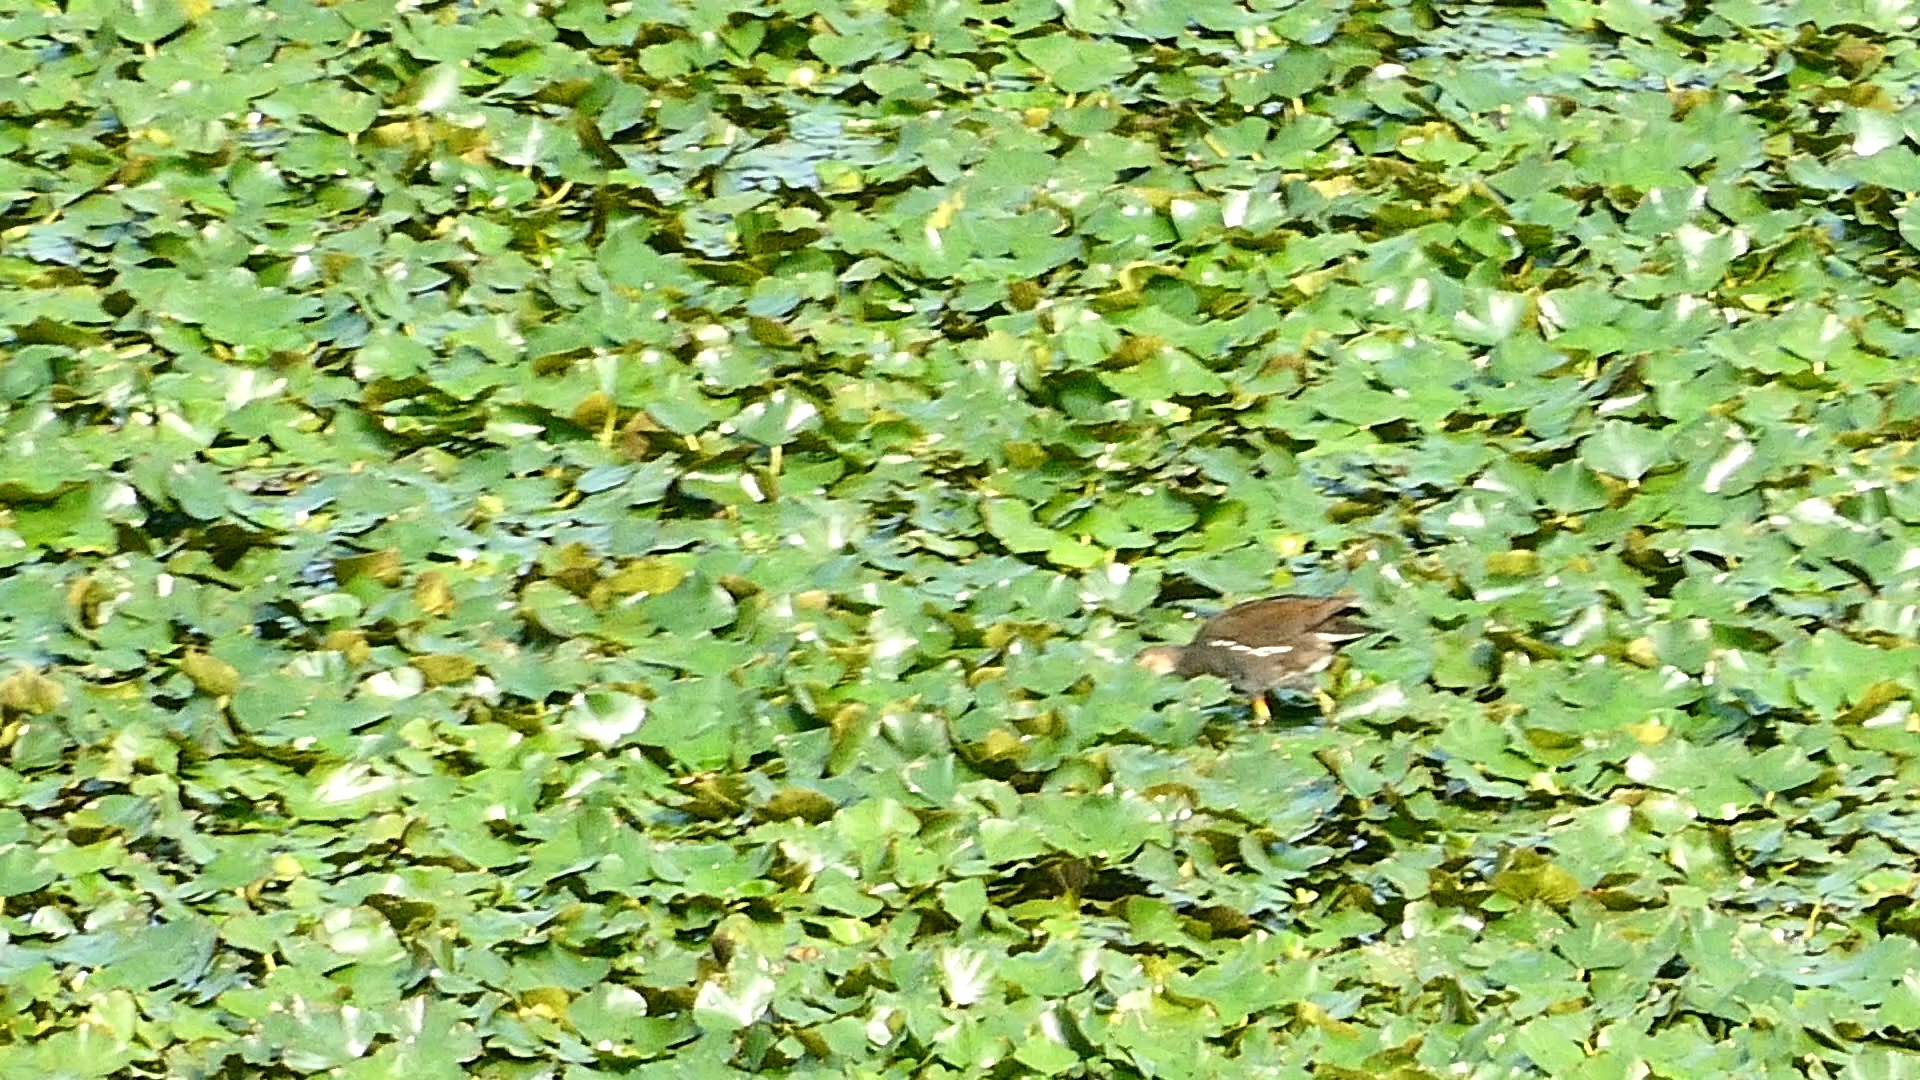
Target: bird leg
{"points": [[1261, 711], [1336, 677]]}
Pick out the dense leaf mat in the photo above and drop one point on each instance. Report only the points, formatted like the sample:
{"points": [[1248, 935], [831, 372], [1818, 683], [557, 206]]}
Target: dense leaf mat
{"points": [[582, 540]]}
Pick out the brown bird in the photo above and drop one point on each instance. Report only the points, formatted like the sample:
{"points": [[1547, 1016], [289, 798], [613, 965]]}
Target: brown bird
{"points": [[1279, 643]]}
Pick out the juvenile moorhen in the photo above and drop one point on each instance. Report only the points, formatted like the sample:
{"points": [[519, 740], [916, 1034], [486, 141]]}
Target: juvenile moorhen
{"points": [[1278, 643]]}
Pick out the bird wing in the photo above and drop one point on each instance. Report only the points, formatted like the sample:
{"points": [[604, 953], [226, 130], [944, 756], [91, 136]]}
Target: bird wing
{"points": [[1277, 620]]}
